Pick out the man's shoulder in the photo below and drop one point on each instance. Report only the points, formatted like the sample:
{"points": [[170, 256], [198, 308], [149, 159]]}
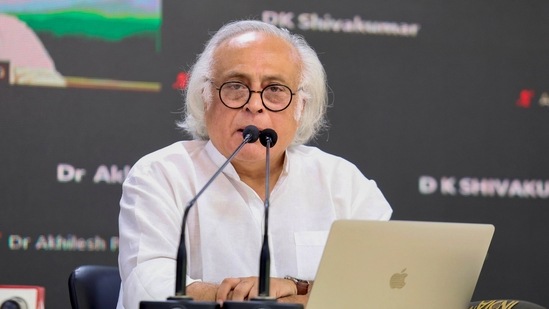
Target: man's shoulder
{"points": [[311, 155], [178, 151]]}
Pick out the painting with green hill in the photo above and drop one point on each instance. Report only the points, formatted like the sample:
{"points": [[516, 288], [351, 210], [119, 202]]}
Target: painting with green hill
{"points": [[93, 39]]}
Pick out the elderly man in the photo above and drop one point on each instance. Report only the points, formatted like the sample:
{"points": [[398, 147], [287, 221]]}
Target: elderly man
{"points": [[250, 73]]}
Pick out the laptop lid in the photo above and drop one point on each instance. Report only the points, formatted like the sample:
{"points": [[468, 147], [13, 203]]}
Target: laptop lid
{"points": [[400, 264]]}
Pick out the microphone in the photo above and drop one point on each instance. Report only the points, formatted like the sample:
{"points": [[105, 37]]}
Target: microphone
{"points": [[268, 138], [250, 134]]}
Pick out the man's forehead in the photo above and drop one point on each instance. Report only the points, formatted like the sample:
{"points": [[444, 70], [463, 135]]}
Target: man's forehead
{"points": [[230, 59], [245, 38]]}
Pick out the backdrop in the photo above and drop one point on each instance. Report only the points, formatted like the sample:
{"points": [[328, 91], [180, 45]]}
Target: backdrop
{"points": [[444, 104]]}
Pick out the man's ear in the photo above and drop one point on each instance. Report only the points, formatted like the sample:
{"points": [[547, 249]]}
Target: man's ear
{"points": [[300, 108], [206, 97]]}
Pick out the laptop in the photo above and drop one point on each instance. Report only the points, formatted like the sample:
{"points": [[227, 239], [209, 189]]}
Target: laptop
{"points": [[400, 264]]}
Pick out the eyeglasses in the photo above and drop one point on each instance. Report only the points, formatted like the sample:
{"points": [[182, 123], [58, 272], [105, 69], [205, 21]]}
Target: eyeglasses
{"points": [[275, 97]]}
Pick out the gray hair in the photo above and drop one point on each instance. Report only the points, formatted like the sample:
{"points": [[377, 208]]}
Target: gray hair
{"points": [[312, 82]]}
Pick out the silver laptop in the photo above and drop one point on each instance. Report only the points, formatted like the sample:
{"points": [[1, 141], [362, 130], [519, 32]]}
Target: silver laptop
{"points": [[400, 264]]}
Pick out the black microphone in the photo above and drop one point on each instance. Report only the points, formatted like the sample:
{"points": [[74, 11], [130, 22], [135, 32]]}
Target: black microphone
{"points": [[250, 134], [268, 138]]}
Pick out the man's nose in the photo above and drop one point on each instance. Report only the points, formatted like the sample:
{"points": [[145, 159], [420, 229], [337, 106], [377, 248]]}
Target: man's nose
{"points": [[255, 103]]}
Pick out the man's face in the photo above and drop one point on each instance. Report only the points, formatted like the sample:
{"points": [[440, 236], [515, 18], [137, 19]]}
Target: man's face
{"points": [[256, 60]]}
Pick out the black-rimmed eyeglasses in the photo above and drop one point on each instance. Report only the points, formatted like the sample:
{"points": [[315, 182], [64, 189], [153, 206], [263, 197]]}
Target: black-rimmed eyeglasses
{"points": [[275, 97]]}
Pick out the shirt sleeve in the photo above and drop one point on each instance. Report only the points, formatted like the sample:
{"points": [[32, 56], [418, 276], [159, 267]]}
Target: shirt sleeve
{"points": [[367, 202], [370, 203], [149, 224]]}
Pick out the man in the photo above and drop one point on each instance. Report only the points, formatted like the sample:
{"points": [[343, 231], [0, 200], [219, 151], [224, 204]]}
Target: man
{"points": [[250, 73]]}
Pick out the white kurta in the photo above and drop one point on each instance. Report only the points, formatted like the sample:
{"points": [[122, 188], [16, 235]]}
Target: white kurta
{"points": [[225, 226]]}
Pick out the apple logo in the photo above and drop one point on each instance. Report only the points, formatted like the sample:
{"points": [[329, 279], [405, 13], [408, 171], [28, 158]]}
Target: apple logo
{"points": [[397, 280]]}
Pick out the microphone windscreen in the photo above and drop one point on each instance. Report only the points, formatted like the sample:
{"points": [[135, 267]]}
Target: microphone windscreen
{"points": [[268, 133], [252, 131]]}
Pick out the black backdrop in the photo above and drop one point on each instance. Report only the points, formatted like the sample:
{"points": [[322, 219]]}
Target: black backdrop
{"points": [[452, 121]]}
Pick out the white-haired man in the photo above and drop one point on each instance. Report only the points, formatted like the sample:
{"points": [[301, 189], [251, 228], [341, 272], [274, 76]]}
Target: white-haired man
{"points": [[250, 73]]}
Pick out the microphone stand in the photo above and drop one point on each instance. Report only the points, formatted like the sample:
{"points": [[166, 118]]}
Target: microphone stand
{"points": [[181, 300], [268, 138], [265, 255]]}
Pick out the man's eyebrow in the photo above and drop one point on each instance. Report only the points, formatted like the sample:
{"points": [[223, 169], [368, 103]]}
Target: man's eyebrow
{"points": [[235, 74], [240, 75]]}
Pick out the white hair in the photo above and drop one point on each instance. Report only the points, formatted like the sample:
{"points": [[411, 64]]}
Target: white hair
{"points": [[313, 89]]}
